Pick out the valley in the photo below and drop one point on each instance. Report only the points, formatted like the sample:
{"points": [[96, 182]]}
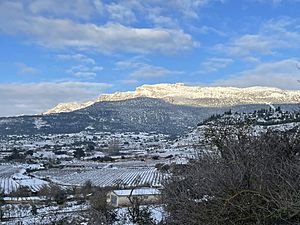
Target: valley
{"points": [[50, 163]]}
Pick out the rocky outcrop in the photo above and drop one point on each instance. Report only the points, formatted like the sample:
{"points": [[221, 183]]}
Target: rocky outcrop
{"points": [[181, 94]]}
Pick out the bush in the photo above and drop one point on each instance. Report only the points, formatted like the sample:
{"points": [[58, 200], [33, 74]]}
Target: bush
{"points": [[21, 192], [79, 153], [100, 212], [53, 192], [250, 179]]}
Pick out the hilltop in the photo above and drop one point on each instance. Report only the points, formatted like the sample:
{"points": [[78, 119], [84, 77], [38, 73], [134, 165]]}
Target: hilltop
{"points": [[181, 94]]}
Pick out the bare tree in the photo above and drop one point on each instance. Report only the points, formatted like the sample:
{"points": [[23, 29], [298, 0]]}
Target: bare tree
{"points": [[87, 188], [2, 208], [139, 214], [53, 192], [100, 212], [114, 147], [245, 179]]}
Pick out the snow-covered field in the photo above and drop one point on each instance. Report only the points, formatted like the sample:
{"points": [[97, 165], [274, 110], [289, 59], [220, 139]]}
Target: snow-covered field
{"points": [[12, 177], [106, 177], [22, 213]]}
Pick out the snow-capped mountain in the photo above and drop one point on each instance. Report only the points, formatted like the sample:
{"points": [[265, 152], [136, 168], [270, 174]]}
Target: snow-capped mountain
{"points": [[181, 94], [131, 115], [69, 107]]}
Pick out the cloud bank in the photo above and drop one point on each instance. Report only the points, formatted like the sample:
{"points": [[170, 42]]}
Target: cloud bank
{"points": [[34, 98]]}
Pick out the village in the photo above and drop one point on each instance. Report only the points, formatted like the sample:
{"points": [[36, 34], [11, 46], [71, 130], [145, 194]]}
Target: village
{"points": [[65, 177], [42, 171]]}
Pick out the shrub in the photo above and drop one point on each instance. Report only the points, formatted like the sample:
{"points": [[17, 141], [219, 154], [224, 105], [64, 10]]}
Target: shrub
{"points": [[246, 179]]}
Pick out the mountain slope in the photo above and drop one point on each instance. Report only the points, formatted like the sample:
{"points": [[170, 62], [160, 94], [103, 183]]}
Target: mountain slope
{"points": [[133, 115], [181, 94], [274, 118], [68, 107]]}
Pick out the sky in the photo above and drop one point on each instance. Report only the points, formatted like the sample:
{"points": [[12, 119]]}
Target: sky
{"points": [[54, 51]]}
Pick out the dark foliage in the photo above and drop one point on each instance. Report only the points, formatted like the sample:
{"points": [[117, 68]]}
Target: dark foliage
{"points": [[250, 179]]}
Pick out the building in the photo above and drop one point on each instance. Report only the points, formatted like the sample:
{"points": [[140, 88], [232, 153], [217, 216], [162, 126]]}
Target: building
{"points": [[121, 198]]}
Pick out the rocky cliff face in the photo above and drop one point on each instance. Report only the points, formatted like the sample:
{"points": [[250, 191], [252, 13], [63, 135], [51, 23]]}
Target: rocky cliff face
{"points": [[181, 94], [68, 107]]}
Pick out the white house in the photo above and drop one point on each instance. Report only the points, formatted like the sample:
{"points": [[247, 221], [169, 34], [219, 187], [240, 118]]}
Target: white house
{"points": [[120, 198]]}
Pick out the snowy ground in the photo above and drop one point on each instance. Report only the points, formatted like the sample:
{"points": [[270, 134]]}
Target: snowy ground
{"points": [[44, 215], [105, 177], [12, 177], [23, 214]]}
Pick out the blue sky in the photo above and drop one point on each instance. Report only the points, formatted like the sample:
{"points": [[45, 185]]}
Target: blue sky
{"points": [[73, 50]]}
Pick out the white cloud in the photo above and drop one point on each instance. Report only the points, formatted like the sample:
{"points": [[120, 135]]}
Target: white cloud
{"points": [[120, 13], [187, 8], [24, 69], [34, 98], [76, 57], [83, 9], [283, 74], [211, 65], [272, 36], [112, 37], [129, 82], [208, 29], [158, 17], [139, 69], [85, 74], [275, 2], [252, 59], [96, 68], [87, 70], [150, 71], [156, 11], [161, 20], [128, 64], [84, 71], [247, 45]]}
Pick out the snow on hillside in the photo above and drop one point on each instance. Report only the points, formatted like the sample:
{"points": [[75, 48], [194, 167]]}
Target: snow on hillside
{"points": [[68, 107], [260, 121], [195, 96]]}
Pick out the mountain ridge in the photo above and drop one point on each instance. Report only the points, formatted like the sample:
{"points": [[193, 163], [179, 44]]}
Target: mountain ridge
{"points": [[132, 115], [181, 94]]}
